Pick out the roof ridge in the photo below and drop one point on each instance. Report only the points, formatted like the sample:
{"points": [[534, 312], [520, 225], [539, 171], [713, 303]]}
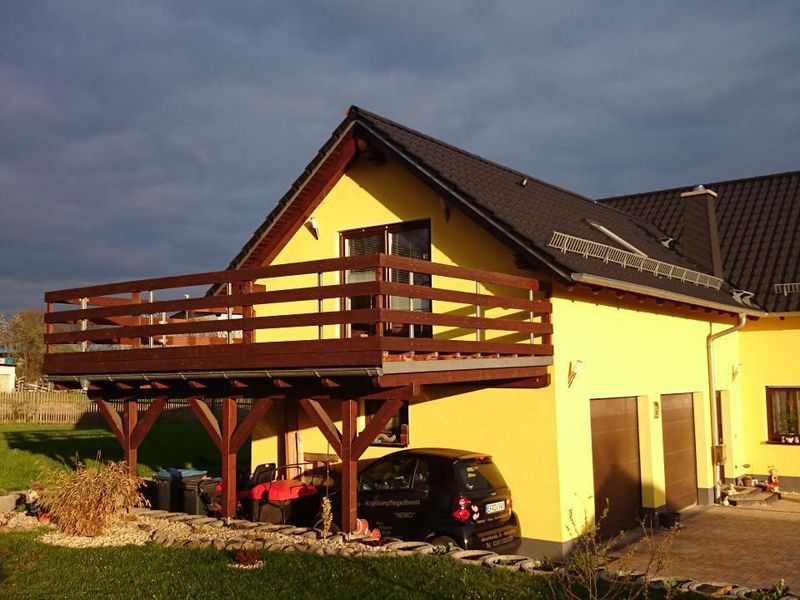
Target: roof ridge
{"points": [[710, 183], [360, 111]]}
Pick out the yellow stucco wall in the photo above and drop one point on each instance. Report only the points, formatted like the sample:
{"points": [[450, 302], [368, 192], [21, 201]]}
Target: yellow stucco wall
{"points": [[627, 353], [770, 356]]}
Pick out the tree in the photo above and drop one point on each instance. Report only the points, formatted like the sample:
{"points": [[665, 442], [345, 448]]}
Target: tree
{"points": [[26, 336]]}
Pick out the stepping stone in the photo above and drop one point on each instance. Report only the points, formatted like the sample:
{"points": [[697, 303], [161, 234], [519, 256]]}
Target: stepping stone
{"points": [[201, 521], [472, 557], [179, 518], [295, 530], [511, 562], [242, 524]]}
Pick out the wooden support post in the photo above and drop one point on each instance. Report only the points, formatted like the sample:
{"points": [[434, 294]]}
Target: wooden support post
{"points": [[379, 302], [349, 466], [291, 425], [129, 431], [136, 298], [248, 312], [229, 416], [130, 415]]}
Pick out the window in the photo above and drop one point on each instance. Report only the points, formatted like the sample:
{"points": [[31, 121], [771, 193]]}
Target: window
{"points": [[409, 240], [389, 475], [782, 415], [395, 433]]}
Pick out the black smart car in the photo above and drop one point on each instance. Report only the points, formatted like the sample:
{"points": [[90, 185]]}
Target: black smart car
{"points": [[438, 495]]}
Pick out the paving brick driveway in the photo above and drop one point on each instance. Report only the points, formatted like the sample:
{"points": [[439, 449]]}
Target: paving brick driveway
{"points": [[754, 547]]}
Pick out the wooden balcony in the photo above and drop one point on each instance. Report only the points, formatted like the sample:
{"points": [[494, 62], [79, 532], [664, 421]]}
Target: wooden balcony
{"points": [[301, 320]]}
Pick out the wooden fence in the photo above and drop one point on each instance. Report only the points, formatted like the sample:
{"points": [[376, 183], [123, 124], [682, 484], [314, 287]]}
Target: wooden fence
{"points": [[70, 408]]}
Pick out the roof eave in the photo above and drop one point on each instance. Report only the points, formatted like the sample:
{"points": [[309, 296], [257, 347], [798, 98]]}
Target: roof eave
{"points": [[624, 286]]}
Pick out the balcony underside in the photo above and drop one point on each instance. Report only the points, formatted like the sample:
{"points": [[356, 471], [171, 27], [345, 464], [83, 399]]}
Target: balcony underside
{"points": [[431, 362]]}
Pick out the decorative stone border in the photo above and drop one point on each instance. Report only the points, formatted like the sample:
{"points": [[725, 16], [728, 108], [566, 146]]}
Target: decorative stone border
{"points": [[196, 531]]}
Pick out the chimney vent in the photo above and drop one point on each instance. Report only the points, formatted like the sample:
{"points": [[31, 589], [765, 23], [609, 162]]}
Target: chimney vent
{"points": [[700, 237]]}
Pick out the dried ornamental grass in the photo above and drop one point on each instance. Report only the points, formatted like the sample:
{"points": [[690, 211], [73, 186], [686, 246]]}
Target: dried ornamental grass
{"points": [[84, 501]]}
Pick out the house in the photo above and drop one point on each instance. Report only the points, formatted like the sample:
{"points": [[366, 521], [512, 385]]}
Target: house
{"points": [[405, 292], [8, 370]]}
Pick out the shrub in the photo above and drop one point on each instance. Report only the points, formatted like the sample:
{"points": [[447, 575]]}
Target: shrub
{"points": [[579, 575], [327, 517], [86, 500]]}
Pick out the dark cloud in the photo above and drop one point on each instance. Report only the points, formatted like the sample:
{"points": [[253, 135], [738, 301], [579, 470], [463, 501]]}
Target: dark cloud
{"points": [[143, 138]]}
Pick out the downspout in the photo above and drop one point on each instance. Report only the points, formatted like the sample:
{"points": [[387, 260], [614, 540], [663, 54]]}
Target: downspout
{"points": [[712, 392]]}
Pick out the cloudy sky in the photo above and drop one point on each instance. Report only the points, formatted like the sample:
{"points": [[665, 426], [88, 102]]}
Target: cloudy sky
{"points": [[144, 138]]}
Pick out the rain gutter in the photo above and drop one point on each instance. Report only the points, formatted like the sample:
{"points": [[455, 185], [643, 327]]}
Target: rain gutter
{"points": [[716, 455]]}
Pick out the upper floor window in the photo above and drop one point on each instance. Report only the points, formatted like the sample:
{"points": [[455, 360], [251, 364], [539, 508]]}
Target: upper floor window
{"points": [[409, 240], [782, 415]]}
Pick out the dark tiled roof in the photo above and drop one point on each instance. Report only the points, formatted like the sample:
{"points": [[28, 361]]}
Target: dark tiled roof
{"points": [[526, 215], [759, 227], [536, 210]]}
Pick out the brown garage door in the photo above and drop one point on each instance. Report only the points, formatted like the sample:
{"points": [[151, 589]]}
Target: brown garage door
{"points": [[615, 450], [680, 467]]}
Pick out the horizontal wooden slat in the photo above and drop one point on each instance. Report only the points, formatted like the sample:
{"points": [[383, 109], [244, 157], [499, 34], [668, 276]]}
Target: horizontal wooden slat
{"points": [[366, 288], [484, 300], [425, 318], [75, 364], [367, 315], [465, 347], [423, 266], [210, 278]]}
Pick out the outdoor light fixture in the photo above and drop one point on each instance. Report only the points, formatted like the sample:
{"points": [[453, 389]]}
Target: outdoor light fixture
{"points": [[574, 368], [313, 227], [735, 370]]}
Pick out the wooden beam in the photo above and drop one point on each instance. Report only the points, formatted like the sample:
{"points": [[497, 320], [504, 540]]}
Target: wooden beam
{"points": [[229, 417], [376, 424], [112, 418], [467, 375], [324, 423], [527, 383], [207, 419], [150, 416], [291, 437], [349, 466], [130, 415], [245, 428], [404, 392]]}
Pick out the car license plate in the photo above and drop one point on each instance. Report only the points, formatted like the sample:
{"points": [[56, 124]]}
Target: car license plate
{"points": [[495, 507]]}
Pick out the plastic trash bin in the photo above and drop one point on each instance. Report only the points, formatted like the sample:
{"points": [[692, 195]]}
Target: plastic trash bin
{"points": [[171, 485], [198, 493]]}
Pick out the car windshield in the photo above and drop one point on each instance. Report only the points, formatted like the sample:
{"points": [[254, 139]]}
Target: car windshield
{"points": [[472, 476]]}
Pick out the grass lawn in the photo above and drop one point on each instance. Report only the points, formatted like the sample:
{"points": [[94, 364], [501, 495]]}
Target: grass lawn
{"points": [[25, 450], [29, 569]]}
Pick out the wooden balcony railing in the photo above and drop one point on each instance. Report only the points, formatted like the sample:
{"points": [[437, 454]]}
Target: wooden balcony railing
{"points": [[298, 315]]}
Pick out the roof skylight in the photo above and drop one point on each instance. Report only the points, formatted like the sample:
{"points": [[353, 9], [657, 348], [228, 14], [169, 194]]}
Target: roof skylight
{"points": [[609, 254], [613, 236]]}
